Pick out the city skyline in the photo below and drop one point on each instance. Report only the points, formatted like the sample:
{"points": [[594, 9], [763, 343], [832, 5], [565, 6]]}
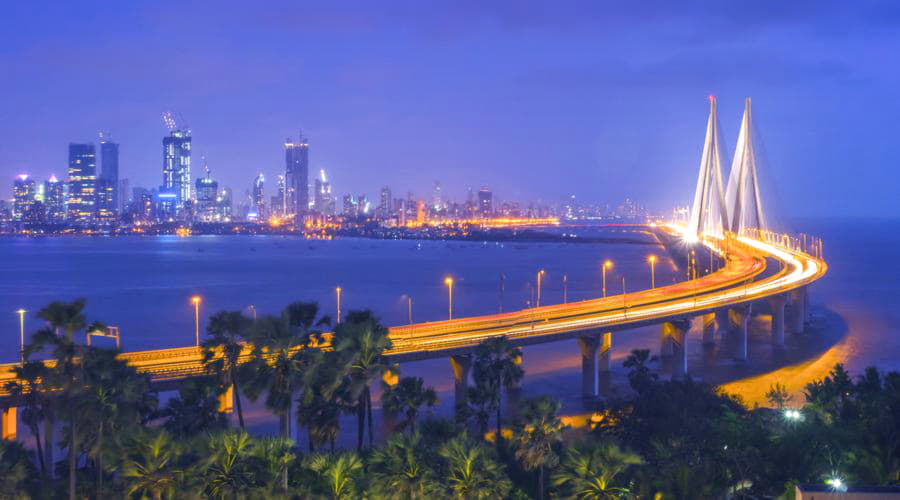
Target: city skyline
{"points": [[578, 97]]}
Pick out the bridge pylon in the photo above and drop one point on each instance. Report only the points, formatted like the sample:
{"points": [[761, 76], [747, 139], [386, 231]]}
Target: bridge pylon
{"points": [[744, 202], [709, 213]]}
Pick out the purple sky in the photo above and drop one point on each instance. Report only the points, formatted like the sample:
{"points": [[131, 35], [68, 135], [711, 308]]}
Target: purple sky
{"points": [[537, 100]]}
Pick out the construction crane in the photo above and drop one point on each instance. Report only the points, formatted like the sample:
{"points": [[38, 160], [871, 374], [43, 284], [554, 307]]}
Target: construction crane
{"points": [[169, 120]]}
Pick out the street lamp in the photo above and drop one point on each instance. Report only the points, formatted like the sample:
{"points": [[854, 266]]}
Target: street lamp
{"points": [[21, 313], [652, 261], [565, 289], [607, 264], [196, 301], [539, 275], [409, 307], [449, 282], [337, 292]]}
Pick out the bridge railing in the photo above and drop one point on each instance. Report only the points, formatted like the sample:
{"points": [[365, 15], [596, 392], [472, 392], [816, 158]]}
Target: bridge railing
{"points": [[802, 242]]}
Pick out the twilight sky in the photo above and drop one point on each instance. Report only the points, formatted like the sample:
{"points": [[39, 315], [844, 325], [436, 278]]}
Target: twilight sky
{"points": [[535, 99]]}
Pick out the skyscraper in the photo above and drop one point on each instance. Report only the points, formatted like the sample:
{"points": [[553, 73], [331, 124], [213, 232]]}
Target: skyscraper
{"points": [[207, 198], [105, 202], [82, 182], [259, 198], [55, 200], [485, 202], [323, 199], [296, 176], [437, 202], [384, 203], [109, 170], [23, 199], [176, 187]]}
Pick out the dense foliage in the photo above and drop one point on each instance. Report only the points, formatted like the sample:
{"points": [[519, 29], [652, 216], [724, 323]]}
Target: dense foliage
{"points": [[667, 439]]}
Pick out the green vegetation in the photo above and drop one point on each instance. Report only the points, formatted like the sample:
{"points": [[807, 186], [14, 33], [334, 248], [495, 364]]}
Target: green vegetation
{"points": [[668, 439]]}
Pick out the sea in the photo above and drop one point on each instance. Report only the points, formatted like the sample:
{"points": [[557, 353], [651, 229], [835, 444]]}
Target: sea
{"points": [[143, 285]]}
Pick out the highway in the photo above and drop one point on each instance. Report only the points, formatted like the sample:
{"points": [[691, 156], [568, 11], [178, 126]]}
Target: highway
{"points": [[743, 279]]}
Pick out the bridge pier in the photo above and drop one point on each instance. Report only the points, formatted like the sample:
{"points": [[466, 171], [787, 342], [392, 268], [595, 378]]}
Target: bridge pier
{"points": [[461, 364], [666, 349], [588, 346], [226, 400], [723, 322], [741, 315], [708, 322], [776, 303], [604, 357], [676, 331], [799, 299], [8, 425]]}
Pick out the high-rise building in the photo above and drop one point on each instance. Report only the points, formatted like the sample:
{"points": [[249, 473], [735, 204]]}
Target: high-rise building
{"points": [[176, 186], [207, 198], [55, 200], [259, 198], [350, 208], [296, 176], [81, 198], [437, 202], [384, 204], [24, 192], [109, 170], [123, 195], [485, 202], [105, 202], [323, 199]]}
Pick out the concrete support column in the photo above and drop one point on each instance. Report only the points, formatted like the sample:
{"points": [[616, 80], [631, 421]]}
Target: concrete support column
{"points": [[461, 364], [722, 321], [708, 321], [776, 303], [8, 426], [741, 315], [676, 331], [798, 310], [226, 400], [588, 347], [665, 343], [604, 357]]}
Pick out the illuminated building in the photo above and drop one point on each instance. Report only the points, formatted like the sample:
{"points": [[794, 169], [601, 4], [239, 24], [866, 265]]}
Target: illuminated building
{"points": [[259, 199], [323, 200], [80, 201], [384, 204], [437, 202], [485, 202], [146, 206], [224, 205], [296, 176], [121, 195], [55, 200], [363, 206], [207, 198], [24, 199], [105, 202], [176, 172], [109, 171], [351, 207], [421, 216]]}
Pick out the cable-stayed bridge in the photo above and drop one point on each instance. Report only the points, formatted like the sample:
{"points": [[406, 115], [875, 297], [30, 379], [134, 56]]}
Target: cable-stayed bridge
{"points": [[757, 267]]}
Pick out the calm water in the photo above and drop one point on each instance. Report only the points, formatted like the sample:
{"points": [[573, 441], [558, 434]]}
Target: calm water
{"points": [[143, 285]]}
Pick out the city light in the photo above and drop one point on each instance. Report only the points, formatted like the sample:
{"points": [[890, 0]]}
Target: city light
{"points": [[607, 264], [21, 312], [652, 261], [337, 293], [793, 415], [837, 484], [540, 274], [196, 301], [449, 282]]}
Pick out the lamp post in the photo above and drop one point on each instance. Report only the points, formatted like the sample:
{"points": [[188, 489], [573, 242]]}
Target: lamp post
{"points": [[409, 307], [196, 301], [652, 261], [337, 293], [565, 289], [449, 282], [539, 275], [21, 313], [607, 264]]}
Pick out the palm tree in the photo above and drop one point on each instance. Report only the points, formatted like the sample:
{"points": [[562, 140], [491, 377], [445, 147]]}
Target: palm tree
{"points": [[639, 375], [228, 473], [273, 456], [68, 317], [150, 467], [115, 400], [362, 341], [340, 473], [539, 430], [400, 469], [408, 396], [222, 350], [495, 366], [324, 398], [470, 472], [590, 473], [28, 386], [195, 410]]}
